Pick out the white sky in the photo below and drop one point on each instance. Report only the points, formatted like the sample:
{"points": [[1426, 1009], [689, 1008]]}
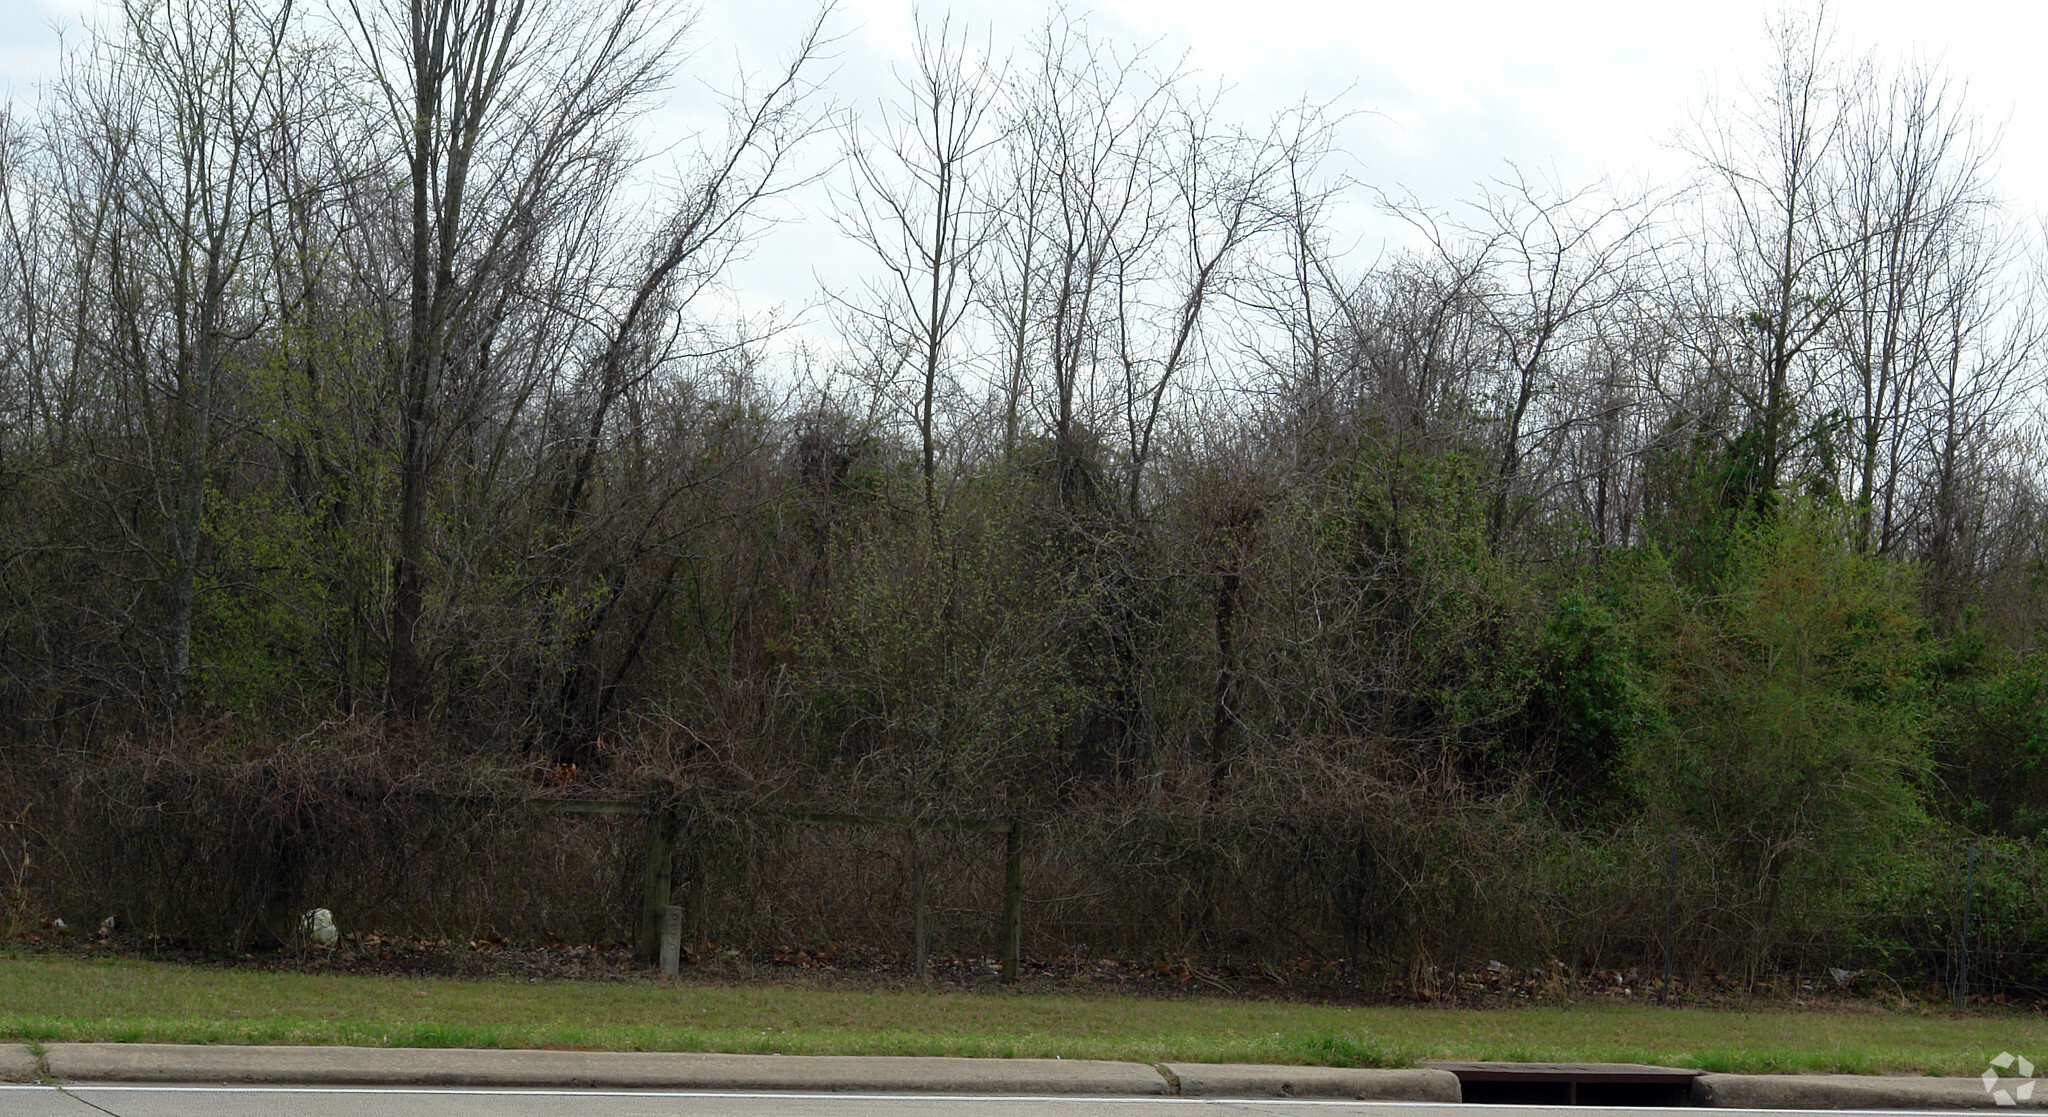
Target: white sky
{"points": [[1447, 91]]}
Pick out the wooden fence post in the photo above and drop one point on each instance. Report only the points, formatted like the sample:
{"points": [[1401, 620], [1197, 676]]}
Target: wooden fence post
{"points": [[1013, 899], [657, 879]]}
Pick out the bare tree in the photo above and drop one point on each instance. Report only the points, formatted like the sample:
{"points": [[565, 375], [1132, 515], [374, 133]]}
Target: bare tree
{"points": [[1293, 299], [1085, 134], [917, 204], [1557, 264], [636, 541], [1986, 335], [1621, 410], [711, 220], [504, 111], [1775, 165], [1223, 192], [175, 115], [1915, 211]]}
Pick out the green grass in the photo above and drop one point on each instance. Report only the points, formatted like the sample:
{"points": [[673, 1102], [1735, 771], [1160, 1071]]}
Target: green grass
{"points": [[46, 1000]]}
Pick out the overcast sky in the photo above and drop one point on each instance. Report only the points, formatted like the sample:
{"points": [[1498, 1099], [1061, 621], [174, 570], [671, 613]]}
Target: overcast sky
{"points": [[1587, 87], [1445, 92]]}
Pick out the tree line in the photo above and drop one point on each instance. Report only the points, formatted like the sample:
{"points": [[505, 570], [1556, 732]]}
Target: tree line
{"points": [[367, 390]]}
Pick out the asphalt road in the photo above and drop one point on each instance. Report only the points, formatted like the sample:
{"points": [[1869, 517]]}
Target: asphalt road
{"points": [[216, 1101]]}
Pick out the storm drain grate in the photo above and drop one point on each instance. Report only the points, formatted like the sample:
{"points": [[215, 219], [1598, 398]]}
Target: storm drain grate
{"points": [[1571, 1083]]}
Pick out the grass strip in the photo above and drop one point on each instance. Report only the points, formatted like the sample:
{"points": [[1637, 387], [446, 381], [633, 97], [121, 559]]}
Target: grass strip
{"points": [[50, 1000]]}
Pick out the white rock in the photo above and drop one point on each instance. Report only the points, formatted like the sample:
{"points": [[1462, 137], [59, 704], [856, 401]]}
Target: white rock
{"points": [[318, 927]]}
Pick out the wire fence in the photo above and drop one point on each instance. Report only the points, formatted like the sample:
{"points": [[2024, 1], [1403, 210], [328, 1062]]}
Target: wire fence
{"points": [[1959, 919]]}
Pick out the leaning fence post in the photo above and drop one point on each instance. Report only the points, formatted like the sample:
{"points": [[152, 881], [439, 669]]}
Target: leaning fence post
{"points": [[1963, 955], [657, 879], [1013, 899]]}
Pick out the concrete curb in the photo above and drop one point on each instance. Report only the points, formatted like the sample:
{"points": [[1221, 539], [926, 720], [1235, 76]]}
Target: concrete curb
{"points": [[17, 1063], [1251, 1080], [1853, 1091], [516, 1069], [402, 1066]]}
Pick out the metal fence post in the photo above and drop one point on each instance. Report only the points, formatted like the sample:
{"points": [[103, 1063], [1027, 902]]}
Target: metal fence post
{"points": [[671, 939], [920, 950], [1963, 955], [1013, 899], [1670, 920], [658, 876]]}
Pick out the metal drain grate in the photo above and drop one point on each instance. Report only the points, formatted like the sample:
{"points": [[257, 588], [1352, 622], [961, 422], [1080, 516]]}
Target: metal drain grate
{"points": [[1571, 1083]]}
